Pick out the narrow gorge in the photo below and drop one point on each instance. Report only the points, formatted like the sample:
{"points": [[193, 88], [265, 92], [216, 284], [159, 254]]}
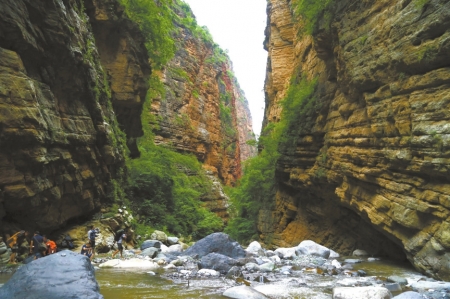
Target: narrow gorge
{"points": [[109, 105]]}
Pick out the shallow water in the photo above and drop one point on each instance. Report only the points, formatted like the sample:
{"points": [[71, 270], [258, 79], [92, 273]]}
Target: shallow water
{"points": [[129, 284]]}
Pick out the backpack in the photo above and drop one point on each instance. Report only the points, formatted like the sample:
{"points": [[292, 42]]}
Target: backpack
{"points": [[118, 235], [69, 242]]}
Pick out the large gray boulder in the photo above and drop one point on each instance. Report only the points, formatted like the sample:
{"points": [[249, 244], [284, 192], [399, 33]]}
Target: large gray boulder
{"points": [[219, 243], [218, 262], [64, 274], [150, 243], [309, 247]]}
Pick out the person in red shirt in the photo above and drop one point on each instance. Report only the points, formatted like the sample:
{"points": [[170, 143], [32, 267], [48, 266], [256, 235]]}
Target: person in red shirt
{"points": [[51, 246]]}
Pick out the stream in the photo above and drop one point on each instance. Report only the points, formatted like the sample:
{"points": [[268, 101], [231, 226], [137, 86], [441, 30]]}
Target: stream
{"points": [[121, 284]]}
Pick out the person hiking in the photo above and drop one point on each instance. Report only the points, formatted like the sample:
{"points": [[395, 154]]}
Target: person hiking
{"points": [[51, 246], [92, 234], [123, 238], [86, 250], [36, 245], [13, 243]]}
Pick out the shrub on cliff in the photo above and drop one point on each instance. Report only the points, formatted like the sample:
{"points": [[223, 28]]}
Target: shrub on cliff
{"points": [[255, 191]]}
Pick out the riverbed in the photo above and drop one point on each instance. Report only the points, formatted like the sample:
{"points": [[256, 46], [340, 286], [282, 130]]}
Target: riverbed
{"points": [[121, 284]]}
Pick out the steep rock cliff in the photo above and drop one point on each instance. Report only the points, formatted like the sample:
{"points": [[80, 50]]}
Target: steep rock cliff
{"points": [[203, 111], [367, 165], [62, 152]]}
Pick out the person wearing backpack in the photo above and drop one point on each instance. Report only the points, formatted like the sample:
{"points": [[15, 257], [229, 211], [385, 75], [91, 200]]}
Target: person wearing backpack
{"points": [[121, 236], [36, 245], [92, 234]]}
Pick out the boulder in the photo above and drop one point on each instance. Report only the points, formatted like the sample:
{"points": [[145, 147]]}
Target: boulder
{"points": [[409, 295], [361, 293], [159, 235], [267, 267], [218, 243], [400, 280], [218, 262], [426, 285], [333, 254], [150, 243], [133, 263], [255, 248], [64, 274], [393, 287], [174, 248], [151, 252], [243, 292], [360, 252], [285, 253], [172, 240], [309, 247]]}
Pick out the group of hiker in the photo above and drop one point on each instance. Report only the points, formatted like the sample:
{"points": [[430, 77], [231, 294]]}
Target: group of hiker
{"points": [[41, 246]]}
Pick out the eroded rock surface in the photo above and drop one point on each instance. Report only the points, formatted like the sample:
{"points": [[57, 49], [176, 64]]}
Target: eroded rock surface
{"points": [[369, 168]]}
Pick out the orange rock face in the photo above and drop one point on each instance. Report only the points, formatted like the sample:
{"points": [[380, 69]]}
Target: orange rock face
{"points": [[204, 112], [369, 169]]}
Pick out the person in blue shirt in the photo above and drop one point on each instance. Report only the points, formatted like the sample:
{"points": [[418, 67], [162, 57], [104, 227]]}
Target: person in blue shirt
{"points": [[86, 250], [35, 243]]}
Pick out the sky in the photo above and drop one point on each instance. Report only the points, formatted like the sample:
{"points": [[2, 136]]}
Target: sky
{"points": [[238, 26]]}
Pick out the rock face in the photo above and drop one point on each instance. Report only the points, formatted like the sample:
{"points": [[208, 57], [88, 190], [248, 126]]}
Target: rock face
{"points": [[60, 146], [216, 243], [203, 107], [61, 275], [369, 167]]}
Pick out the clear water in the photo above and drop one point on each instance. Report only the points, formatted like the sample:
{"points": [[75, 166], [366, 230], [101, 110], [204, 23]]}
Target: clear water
{"points": [[131, 284]]}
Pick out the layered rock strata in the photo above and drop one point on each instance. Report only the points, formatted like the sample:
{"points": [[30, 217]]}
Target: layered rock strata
{"points": [[60, 141], [369, 168], [204, 112]]}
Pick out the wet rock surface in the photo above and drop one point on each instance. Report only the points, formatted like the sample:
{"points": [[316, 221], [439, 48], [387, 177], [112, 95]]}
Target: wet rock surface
{"points": [[61, 275]]}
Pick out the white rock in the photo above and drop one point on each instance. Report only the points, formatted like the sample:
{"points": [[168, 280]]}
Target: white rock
{"points": [[209, 272], [267, 267], [174, 248], [131, 263], [426, 285], [151, 273], [336, 264], [255, 248], [275, 259], [361, 293], [285, 253], [243, 292], [120, 210], [164, 248], [170, 267], [360, 252]]}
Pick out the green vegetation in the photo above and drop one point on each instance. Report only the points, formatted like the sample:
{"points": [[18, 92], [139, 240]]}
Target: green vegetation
{"points": [[256, 189], [165, 188], [155, 19], [426, 53], [421, 3], [311, 11]]}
